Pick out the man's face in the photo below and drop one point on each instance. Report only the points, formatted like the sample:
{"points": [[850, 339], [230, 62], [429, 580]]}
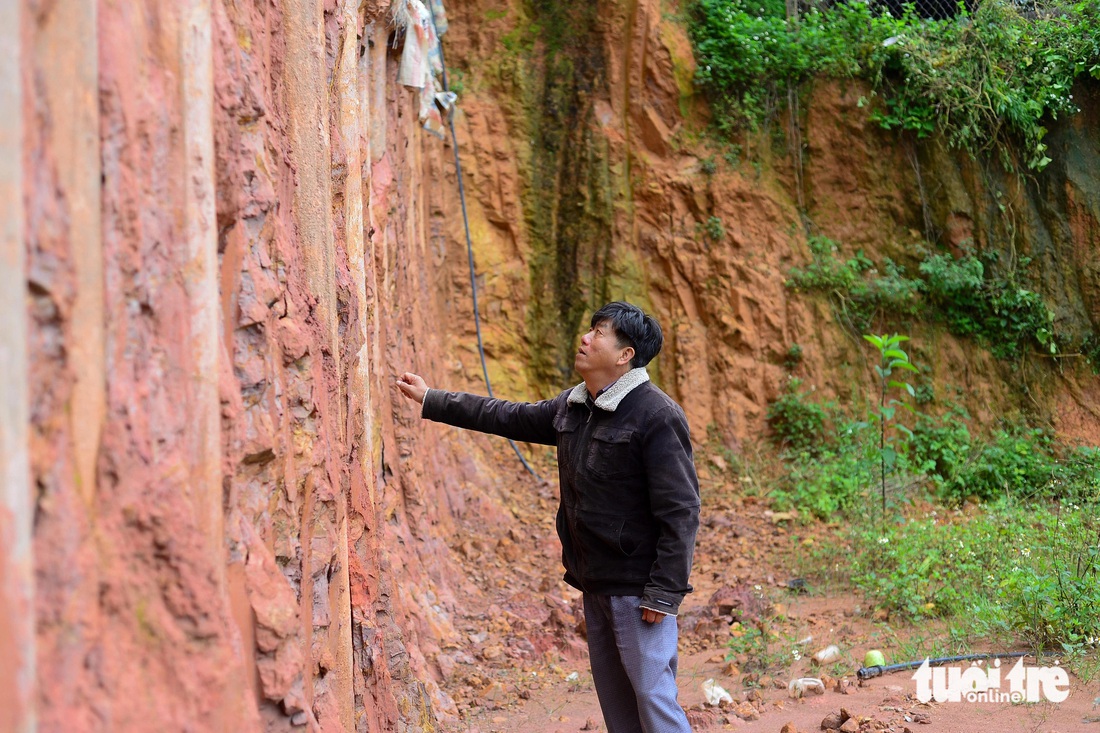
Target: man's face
{"points": [[600, 350]]}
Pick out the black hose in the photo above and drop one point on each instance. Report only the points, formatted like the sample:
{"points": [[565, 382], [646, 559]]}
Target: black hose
{"points": [[866, 673], [469, 241]]}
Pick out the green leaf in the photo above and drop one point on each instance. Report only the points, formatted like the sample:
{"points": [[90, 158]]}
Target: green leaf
{"points": [[876, 340], [895, 354], [907, 365]]}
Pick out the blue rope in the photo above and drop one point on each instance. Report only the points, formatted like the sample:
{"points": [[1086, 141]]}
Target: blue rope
{"points": [[470, 244]]}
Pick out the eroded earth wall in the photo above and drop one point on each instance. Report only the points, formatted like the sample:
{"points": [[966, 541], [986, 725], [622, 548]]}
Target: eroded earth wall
{"points": [[592, 135], [223, 237]]}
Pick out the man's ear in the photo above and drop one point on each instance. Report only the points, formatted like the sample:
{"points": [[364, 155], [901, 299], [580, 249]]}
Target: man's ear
{"points": [[627, 356]]}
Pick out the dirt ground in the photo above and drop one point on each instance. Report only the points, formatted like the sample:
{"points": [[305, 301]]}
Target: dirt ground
{"points": [[522, 666]]}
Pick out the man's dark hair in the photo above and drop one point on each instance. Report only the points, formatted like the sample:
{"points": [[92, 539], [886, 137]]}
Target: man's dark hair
{"points": [[632, 328]]}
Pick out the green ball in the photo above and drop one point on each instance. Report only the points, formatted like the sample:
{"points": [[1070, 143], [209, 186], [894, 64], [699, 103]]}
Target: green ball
{"points": [[874, 658]]}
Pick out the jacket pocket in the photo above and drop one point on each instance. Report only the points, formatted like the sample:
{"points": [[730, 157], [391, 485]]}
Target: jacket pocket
{"points": [[598, 534], [565, 425], [609, 453], [638, 538]]}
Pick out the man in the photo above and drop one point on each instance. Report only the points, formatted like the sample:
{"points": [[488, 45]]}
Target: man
{"points": [[629, 506]]}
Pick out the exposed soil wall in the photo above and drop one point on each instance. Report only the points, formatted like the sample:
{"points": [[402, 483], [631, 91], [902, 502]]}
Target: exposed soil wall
{"points": [[640, 166], [234, 237]]}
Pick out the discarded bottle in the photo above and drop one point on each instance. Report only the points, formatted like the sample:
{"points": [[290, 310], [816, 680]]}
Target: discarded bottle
{"points": [[828, 655], [799, 687]]}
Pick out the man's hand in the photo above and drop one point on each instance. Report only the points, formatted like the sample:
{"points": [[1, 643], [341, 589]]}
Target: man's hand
{"points": [[652, 617], [412, 386]]}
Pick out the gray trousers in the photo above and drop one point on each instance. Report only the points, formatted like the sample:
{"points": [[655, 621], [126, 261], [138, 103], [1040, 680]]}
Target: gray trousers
{"points": [[633, 666]]}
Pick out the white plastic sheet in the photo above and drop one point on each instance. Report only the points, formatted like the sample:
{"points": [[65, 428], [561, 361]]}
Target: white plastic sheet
{"points": [[715, 693]]}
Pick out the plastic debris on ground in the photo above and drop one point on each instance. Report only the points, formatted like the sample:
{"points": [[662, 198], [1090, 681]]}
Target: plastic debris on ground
{"points": [[802, 685], [715, 693]]}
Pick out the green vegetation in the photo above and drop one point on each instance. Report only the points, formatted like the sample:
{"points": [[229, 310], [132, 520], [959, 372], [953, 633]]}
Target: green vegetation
{"points": [[995, 533], [826, 272], [1000, 312], [964, 293], [761, 647], [891, 357], [978, 80], [793, 357], [836, 476], [714, 229], [1025, 571], [860, 292], [832, 467], [1024, 563], [798, 423]]}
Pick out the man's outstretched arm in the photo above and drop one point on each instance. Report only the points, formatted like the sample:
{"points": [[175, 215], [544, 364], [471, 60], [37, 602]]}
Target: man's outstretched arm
{"points": [[528, 422]]}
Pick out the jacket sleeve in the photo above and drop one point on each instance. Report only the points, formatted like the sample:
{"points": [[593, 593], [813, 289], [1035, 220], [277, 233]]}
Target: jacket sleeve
{"points": [[524, 421], [674, 503]]}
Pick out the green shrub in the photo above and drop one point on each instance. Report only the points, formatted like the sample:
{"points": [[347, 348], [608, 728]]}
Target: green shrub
{"points": [[748, 52], [1013, 463], [1000, 72], [1000, 313], [948, 280], [793, 357], [941, 446], [797, 423], [839, 477], [1007, 318], [826, 271], [859, 292], [714, 229], [923, 568], [1076, 477], [892, 291], [1018, 463]]}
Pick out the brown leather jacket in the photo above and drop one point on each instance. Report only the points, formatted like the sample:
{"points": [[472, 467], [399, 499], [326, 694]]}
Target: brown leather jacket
{"points": [[629, 493]]}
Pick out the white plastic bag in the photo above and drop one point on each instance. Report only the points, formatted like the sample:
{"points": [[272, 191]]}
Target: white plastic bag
{"points": [[715, 693]]}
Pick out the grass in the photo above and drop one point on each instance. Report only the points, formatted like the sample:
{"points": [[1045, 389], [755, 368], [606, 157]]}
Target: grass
{"points": [[989, 542], [1020, 575]]}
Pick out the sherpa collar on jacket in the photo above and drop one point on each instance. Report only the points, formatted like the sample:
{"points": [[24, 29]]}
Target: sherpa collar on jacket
{"points": [[610, 398]]}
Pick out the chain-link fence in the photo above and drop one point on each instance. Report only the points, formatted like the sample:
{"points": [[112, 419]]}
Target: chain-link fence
{"points": [[936, 9], [929, 9]]}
